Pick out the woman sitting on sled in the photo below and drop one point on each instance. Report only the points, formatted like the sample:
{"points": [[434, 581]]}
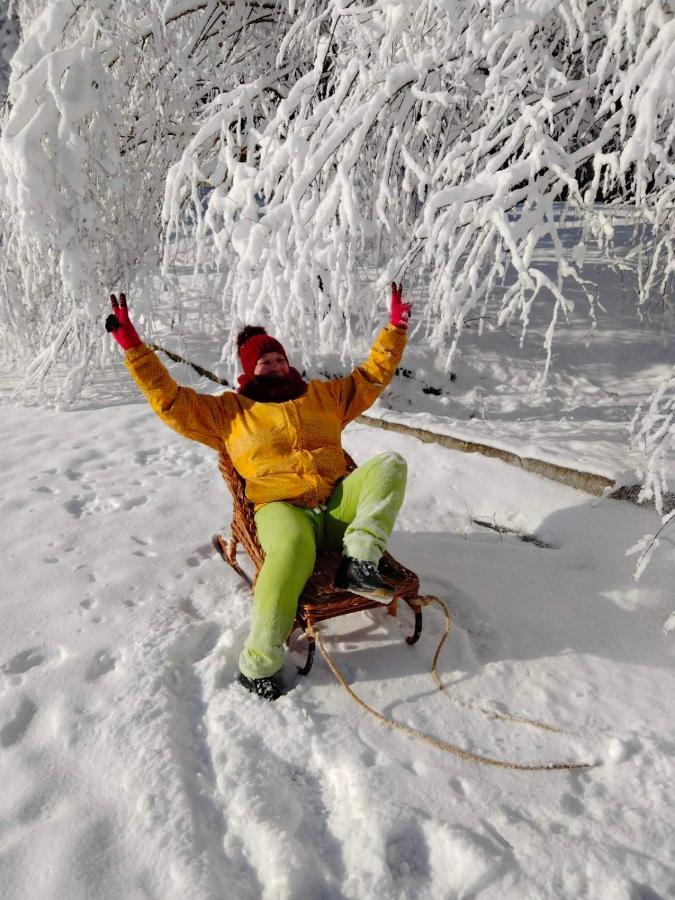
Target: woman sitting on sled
{"points": [[283, 436]]}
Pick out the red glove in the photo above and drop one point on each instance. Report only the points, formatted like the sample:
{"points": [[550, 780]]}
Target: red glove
{"points": [[400, 311], [119, 325]]}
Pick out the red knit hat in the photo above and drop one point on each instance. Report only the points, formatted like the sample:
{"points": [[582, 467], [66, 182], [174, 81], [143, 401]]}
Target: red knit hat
{"points": [[255, 347]]}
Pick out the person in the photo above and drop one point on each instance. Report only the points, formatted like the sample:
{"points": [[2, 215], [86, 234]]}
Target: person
{"points": [[283, 435]]}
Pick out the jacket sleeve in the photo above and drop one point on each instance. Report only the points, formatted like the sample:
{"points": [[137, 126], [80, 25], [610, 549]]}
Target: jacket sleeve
{"points": [[200, 417], [358, 391]]}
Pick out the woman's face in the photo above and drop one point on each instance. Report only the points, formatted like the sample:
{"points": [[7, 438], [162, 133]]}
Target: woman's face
{"points": [[272, 365]]}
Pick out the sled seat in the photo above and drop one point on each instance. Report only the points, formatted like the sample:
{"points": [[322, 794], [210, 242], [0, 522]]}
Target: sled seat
{"points": [[320, 600]]}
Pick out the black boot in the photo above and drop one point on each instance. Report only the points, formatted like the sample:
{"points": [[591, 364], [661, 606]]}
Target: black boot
{"points": [[267, 687], [362, 577]]}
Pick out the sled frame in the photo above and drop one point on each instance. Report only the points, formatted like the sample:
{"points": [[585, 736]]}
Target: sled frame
{"points": [[319, 600]]}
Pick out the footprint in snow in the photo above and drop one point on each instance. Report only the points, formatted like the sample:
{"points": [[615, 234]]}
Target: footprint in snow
{"points": [[571, 805], [205, 551], [407, 854], [133, 502], [102, 662], [25, 660], [457, 786], [17, 723], [75, 507], [188, 607], [146, 457]]}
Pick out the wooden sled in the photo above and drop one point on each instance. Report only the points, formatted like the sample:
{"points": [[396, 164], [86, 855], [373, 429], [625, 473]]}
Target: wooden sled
{"points": [[320, 600]]}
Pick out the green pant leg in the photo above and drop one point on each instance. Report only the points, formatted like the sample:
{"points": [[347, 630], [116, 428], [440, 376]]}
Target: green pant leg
{"points": [[362, 510], [287, 534]]}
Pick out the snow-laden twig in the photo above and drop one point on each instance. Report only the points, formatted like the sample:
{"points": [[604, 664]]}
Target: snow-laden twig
{"points": [[653, 431], [649, 544], [289, 144]]}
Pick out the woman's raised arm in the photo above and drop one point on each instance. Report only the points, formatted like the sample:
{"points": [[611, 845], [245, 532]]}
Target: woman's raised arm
{"points": [[358, 391], [200, 417]]}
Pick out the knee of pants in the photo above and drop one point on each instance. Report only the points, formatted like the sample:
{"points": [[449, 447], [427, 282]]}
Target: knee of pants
{"points": [[393, 460], [294, 552]]}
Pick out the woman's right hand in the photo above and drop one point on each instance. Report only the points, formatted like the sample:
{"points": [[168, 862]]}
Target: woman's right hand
{"points": [[119, 324], [399, 312]]}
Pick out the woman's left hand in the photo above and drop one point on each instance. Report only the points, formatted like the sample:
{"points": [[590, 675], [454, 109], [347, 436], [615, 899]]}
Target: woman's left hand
{"points": [[399, 312], [119, 324]]}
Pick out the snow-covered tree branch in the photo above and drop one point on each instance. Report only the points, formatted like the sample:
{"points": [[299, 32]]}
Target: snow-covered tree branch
{"points": [[102, 98], [653, 430], [431, 137], [435, 134]]}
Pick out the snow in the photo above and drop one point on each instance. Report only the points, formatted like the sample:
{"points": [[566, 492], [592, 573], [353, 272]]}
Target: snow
{"points": [[133, 766]]}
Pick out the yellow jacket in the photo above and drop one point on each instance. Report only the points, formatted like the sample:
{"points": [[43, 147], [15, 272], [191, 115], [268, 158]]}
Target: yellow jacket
{"points": [[284, 451]]}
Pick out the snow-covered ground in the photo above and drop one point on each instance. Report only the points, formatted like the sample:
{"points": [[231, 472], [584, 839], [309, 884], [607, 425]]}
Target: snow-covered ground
{"points": [[133, 766]]}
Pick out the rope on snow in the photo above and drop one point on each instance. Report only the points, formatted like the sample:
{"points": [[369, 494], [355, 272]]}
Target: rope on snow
{"points": [[438, 743]]}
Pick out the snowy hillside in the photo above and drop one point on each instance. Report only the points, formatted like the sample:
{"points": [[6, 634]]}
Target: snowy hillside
{"points": [[133, 766], [281, 164]]}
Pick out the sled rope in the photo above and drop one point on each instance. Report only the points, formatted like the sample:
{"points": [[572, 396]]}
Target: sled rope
{"points": [[492, 713], [438, 743]]}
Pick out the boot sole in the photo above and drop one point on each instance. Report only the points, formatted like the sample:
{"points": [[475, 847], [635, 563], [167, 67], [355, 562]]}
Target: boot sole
{"points": [[250, 687], [381, 595]]}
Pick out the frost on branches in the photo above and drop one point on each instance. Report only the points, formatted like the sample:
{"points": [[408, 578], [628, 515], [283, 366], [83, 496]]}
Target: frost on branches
{"points": [[653, 431], [305, 143]]}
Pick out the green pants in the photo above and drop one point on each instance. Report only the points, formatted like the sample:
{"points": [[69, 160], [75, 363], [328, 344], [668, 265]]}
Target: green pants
{"points": [[359, 517]]}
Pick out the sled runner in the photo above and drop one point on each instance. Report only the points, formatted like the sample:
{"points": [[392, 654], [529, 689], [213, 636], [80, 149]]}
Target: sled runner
{"points": [[320, 600]]}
